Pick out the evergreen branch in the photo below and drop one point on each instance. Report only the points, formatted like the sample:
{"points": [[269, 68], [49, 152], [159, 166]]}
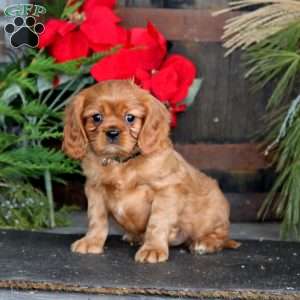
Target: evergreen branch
{"points": [[283, 198], [247, 29]]}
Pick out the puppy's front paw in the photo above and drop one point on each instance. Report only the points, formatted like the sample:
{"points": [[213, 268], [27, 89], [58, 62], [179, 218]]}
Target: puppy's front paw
{"points": [[87, 245], [148, 254]]}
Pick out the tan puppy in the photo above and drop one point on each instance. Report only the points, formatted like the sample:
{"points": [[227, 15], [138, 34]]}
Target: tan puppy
{"points": [[121, 134]]}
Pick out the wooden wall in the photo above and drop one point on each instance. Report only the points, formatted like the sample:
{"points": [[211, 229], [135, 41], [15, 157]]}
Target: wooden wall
{"points": [[216, 132]]}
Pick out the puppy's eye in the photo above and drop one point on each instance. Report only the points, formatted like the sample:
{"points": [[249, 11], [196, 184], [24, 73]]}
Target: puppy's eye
{"points": [[97, 118], [129, 118]]}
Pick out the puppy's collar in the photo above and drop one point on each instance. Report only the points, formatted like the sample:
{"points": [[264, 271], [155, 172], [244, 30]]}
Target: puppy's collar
{"points": [[108, 160]]}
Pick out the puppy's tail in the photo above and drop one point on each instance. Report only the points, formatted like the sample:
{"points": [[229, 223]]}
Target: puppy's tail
{"points": [[231, 244]]}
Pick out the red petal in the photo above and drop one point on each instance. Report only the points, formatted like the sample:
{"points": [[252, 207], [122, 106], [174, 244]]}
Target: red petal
{"points": [[183, 66], [152, 42], [143, 79], [181, 94], [164, 84], [73, 45], [121, 65], [173, 119], [186, 73], [106, 42], [89, 5], [100, 27], [52, 28], [99, 13]]}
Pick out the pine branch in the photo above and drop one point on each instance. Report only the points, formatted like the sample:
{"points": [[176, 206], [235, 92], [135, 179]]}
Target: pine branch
{"points": [[253, 27], [283, 199]]}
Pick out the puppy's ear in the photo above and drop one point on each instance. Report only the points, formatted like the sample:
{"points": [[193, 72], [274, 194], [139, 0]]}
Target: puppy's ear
{"points": [[155, 131], [75, 140]]}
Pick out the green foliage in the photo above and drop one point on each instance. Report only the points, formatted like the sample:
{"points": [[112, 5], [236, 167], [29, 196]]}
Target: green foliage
{"points": [[283, 198], [69, 10], [276, 59], [30, 120], [31, 110], [54, 7], [24, 207]]}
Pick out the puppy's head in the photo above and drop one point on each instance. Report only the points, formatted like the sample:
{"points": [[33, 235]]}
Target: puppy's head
{"points": [[115, 118]]}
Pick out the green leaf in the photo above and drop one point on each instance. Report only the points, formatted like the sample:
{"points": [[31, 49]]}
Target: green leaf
{"points": [[9, 112], [193, 91], [69, 10]]}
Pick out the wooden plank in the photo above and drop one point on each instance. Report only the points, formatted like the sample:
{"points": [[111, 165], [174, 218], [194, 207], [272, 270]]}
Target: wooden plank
{"points": [[202, 4], [178, 24], [244, 207], [226, 110], [227, 157]]}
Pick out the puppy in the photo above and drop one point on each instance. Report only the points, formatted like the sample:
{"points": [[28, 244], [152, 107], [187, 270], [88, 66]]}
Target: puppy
{"points": [[121, 135]]}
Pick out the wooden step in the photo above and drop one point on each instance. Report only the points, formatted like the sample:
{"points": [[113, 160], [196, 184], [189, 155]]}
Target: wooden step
{"points": [[40, 262]]}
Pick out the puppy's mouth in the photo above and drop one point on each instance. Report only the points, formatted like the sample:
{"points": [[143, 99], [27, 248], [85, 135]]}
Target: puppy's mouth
{"points": [[114, 149]]}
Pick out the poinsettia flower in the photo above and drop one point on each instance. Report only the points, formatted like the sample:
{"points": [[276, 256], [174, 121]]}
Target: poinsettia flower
{"points": [[54, 29], [121, 65], [153, 44], [70, 48], [97, 29], [143, 78], [118, 36], [145, 50], [174, 110], [91, 4], [101, 29], [172, 81]]}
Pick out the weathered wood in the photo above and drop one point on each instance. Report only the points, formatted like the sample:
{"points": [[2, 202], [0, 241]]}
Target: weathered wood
{"points": [[226, 110], [244, 207], [240, 169], [202, 4], [178, 24], [226, 157]]}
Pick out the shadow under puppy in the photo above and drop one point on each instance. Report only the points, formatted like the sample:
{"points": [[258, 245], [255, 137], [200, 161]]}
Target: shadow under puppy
{"points": [[121, 134]]}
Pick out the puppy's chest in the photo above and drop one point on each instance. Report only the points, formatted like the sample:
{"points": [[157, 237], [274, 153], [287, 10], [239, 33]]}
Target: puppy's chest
{"points": [[130, 207]]}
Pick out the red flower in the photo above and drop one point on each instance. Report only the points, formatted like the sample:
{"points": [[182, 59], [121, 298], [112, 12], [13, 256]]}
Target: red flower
{"points": [[146, 50], [153, 44], [98, 31], [95, 27], [69, 48], [54, 29], [172, 81], [174, 110], [101, 29], [91, 4], [143, 79], [122, 65]]}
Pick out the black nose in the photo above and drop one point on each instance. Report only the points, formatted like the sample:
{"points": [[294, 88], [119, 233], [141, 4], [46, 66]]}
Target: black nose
{"points": [[112, 133]]}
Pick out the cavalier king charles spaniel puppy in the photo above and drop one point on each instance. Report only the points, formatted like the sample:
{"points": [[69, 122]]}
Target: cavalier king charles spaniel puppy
{"points": [[120, 133]]}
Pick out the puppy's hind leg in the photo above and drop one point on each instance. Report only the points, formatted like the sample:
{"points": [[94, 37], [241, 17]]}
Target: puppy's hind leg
{"points": [[213, 242]]}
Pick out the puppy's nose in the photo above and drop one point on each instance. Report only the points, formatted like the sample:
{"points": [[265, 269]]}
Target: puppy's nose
{"points": [[112, 133]]}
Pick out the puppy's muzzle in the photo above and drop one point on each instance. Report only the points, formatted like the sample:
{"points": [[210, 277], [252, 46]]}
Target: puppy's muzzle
{"points": [[112, 135]]}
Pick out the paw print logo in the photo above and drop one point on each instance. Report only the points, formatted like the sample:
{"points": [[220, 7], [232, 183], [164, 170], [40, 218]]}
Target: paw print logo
{"points": [[24, 31]]}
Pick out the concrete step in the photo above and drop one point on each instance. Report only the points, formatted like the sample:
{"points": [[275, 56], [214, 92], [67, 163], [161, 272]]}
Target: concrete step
{"points": [[246, 231], [42, 262]]}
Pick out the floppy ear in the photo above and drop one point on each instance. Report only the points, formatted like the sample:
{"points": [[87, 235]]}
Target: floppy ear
{"points": [[155, 131], [75, 140]]}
